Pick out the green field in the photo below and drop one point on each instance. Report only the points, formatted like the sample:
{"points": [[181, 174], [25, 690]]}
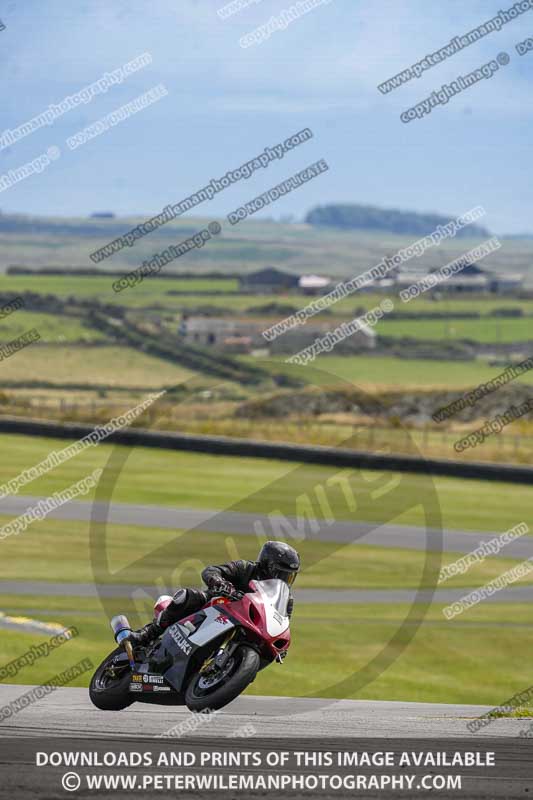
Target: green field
{"points": [[450, 305], [399, 372], [114, 365], [151, 292], [491, 329], [107, 365], [51, 327]]}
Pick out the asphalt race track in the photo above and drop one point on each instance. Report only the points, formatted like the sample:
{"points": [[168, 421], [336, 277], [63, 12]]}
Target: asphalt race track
{"points": [[69, 712], [342, 531], [66, 723]]}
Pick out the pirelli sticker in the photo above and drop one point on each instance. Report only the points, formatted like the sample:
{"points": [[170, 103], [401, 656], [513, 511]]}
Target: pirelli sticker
{"points": [[156, 680]]}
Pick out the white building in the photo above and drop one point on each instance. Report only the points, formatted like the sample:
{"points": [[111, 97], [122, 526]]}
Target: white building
{"points": [[313, 284]]}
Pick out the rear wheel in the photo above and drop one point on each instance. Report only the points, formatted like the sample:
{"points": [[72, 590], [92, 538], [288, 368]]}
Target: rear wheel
{"points": [[110, 684], [218, 687]]}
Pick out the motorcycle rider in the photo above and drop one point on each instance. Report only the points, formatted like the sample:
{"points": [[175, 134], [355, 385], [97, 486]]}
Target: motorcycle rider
{"points": [[275, 560]]}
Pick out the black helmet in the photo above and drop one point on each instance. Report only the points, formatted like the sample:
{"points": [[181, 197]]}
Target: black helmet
{"points": [[279, 560]]}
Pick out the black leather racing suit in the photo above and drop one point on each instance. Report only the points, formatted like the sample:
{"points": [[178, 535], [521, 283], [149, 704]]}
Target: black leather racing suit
{"points": [[240, 573], [187, 601]]}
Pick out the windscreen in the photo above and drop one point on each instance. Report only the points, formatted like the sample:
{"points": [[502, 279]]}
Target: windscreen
{"points": [[276, 592]]}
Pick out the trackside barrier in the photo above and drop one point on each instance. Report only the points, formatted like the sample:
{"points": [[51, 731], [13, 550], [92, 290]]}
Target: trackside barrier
{"points": [[249, 448]]}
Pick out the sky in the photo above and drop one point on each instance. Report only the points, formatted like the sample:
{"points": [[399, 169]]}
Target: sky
{"points": [[226, 103]]}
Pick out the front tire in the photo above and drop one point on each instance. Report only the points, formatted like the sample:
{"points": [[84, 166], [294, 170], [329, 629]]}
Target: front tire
{"points": [[107, 693], [200, 696]]}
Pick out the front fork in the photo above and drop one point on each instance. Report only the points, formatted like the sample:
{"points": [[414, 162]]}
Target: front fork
{"points": [[220, 658]]}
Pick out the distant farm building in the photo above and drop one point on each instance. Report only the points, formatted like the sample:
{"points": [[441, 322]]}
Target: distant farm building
{"points": [[507, 282], [223, 334], [241, 336], [313, 284], [304, 336], [469, 280], [268, 281]]}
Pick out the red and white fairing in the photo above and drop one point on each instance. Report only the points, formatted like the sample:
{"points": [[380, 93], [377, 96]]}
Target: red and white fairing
{"points": [[262, 612]]}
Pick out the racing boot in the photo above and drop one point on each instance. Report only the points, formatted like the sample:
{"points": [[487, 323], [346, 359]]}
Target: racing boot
{"points": [[184, 602], [146, 635]]}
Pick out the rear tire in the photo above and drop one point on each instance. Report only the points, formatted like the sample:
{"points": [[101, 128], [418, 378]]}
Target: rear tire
{"points": [[108, 694], [245, 671]]}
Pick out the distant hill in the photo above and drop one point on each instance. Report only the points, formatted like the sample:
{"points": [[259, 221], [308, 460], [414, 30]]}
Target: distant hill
{"points": [[64, 245], [390, 220], [100, 225], [56, 226]]}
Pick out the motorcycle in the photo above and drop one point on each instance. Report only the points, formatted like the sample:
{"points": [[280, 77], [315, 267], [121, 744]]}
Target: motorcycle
{"points": [[203, 661]]}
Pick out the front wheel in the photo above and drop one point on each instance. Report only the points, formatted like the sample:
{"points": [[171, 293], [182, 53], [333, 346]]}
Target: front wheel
{"points": [[109, 689], [217, 688]]}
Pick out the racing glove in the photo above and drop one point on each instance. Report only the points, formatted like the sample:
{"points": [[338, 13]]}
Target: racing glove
{"points": [[219, 584]]}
